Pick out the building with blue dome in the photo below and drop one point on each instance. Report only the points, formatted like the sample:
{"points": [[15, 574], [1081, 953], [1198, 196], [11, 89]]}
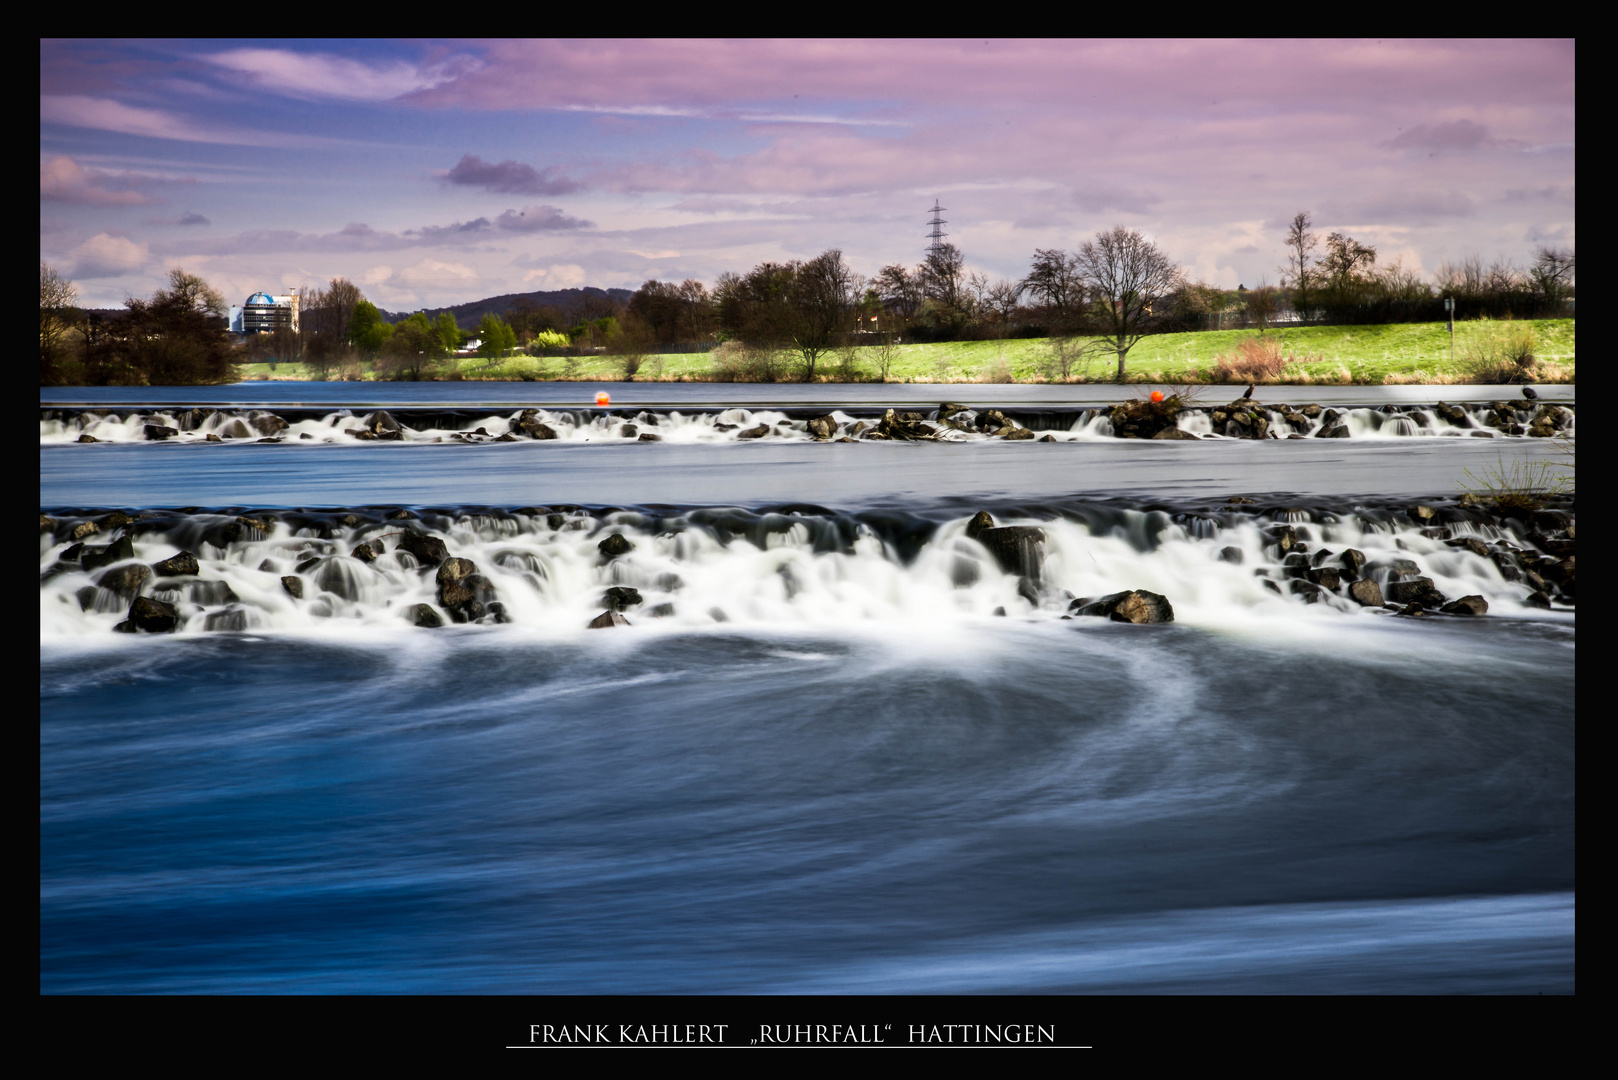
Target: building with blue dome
{"points": [[263, 314]]}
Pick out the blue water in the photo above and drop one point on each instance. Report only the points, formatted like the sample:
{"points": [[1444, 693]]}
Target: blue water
{"points": [[1360, 805]]}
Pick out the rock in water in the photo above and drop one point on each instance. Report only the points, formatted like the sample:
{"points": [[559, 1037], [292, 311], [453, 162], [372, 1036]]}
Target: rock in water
{"points": [[1527, 392], [615, 545], [1134, 606], [1366, 593], [1019, 549], [980, 521], [293, 586], [607, 619], [1467, 605], [823, 427], [152, 616], [428, 550], [424, 615], [621, 598], [183, 563]]}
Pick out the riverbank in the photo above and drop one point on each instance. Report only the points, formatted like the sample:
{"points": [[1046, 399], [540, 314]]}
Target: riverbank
{"points": [[1401, 353]]}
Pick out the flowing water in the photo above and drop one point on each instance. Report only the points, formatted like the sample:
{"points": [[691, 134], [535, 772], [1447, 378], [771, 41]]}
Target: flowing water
{"points": [[841, 745]]}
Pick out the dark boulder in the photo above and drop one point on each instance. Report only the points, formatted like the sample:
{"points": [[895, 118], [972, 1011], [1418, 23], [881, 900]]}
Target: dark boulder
{"points": [[428, 550], [1133, 606], [981, 521], [1232, 555], [424, 615], [1470, 543], [608, 619], [156, 432], [1353, 561], [1334, 430], [83, 529], [293, 585], [621, 598], [647, 436], [1325, 576], [751, 433], [152, 616], [1466, 605], [1175, 433], [126, 581], [1366, 593], [117, 551], [1018, 549], [1419, 590], [615, 545], [88, 438], [177, 565], [823, 427], [367, 552]]}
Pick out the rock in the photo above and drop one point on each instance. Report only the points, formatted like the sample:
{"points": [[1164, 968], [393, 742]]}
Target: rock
{"points": [[1538, 599], [293, 585], [381, 421], [1017, 548], [80, 531], [1366, 593], [231, 620], [452, 571], [751, 433], [1353, 561], [621, 598], [1017, 434], [1334, 430], [1232, 555], [980, 521], [152, 616], [1470, 543], [156, 432], [823, 427], [403, 515], [1397, 569], [117, 551], [125, 581], [1240, 500], [367, 552], [268, 423], [428, 550], [662, 610], [423, 615], [647, 436], [615, 545], [1284, 537], [1466, 605], [629, 431], [610, 619], [1175, 433], [177, 565], [1324, 576], [88, 438], [1133, 606], [1418, 590], [1423, 513]]}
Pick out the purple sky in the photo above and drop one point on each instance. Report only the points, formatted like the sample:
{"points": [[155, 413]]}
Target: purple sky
{"points": [[435, 173]]}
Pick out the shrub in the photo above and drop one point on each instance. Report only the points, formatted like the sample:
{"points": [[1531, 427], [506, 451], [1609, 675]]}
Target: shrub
{"points": [[1501, 353], [737, 361], [1257, 359], [1521, 486]]}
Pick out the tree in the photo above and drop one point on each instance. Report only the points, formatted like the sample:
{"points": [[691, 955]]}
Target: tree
{"points": [[413, 349], [943, 282], [1347, 261], [449, 332], [824, 293], [1552, 274], [900, 291], [57, 296], [1055, 280], [495, 335], [1262, 303], [178, 336], [1296, 274], [1129, 280], [367, 331]]}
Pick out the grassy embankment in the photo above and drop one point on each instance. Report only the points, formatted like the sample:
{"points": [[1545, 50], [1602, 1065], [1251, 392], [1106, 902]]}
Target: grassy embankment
{"points": [[1363, 355]]}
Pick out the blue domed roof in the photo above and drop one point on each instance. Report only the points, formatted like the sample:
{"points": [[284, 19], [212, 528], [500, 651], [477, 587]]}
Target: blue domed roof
{"points": [[260, 298]]}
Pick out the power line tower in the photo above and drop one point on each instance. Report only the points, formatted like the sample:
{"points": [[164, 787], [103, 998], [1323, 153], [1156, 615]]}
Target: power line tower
{"points": [[936, 237]]}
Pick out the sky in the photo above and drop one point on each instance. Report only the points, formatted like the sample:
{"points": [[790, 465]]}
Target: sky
{"points": [[432, 173]]}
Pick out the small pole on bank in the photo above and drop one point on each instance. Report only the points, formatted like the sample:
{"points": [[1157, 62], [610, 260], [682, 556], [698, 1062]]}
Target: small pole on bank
{"points": [[1449, 307]]}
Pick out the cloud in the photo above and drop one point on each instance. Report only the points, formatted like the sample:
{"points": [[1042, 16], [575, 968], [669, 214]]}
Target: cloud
{"points": [[1404, 208], [61, 179], [450, 234], [434, 272], [1454, 135], [510, 177], [187, 218], [105, 255], [1100, 200], [540, 218], [562, 276], [322, 75], [104, 114]]}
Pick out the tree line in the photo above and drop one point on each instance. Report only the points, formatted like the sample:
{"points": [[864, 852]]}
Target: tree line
{"points": [[1101, 297]]}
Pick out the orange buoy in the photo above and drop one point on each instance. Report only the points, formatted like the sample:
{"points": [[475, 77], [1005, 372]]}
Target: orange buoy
{"points": [[603, 398], [1157, 395]]}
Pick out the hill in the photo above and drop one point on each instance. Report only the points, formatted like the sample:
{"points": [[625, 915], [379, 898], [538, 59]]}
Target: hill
{"points": [[575, 302]]}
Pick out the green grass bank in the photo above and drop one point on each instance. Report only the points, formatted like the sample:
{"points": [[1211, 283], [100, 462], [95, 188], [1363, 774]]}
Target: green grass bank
{"points": [[1322, 355]]}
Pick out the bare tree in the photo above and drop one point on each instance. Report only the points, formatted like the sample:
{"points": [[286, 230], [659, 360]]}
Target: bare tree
{"points": [[1300, 242], [57, 296], [1552, 273], [1129, 280], [900, 292], [1262, 303], [1056, 282], [824, 292]]}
